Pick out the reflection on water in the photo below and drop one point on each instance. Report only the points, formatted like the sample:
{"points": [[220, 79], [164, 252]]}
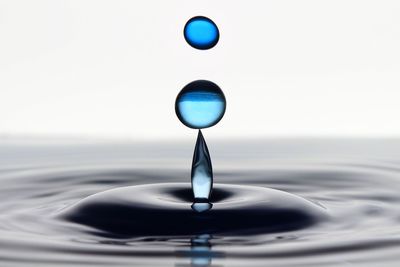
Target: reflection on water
{"points": [[200, 253], [201, 250], [356, 181]]}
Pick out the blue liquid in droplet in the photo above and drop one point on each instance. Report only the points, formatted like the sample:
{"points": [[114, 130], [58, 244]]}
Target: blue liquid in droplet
{"points": [[200, 104], [201, 33]]}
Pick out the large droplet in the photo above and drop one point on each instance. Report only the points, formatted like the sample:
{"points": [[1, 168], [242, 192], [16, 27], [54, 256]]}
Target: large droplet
{"points": [[200, 104], [202, 175], [201, 33]]}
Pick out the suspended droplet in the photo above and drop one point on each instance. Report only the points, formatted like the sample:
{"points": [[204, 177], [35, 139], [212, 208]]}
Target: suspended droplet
{"points": [[200, 104], [202, 175], [201, 33]]}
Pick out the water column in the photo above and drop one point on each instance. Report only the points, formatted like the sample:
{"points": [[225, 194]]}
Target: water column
{"points": [[201, 104]]}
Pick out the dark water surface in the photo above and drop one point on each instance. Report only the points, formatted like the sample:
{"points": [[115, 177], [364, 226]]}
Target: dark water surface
{"points": [[354, 184]]}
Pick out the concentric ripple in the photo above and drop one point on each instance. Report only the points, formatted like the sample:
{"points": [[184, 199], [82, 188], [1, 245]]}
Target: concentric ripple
{"points": [[358, 188]]}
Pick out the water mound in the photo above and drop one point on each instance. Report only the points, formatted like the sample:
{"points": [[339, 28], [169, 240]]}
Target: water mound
{"points": [[164, 210]]}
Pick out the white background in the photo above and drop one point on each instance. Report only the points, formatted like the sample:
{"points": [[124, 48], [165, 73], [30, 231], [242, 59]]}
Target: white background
{"points": [[113, 68]]}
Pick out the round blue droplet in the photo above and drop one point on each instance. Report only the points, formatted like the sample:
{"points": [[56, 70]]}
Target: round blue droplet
{"points": [[200, 104], [201, 33]]}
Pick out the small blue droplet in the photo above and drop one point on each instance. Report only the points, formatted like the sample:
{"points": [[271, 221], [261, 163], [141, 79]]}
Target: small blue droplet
{"points": [[201, 33], [200, 104]]}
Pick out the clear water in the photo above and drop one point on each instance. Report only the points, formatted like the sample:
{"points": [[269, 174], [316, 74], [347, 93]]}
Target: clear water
{"points": [[201, 33], [356, 181], [200, 104]]}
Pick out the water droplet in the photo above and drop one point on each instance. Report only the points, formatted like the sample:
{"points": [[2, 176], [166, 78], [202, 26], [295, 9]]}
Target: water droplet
{"points": [[200, 104], [201, 206], [201, 33], [202, 175]]}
